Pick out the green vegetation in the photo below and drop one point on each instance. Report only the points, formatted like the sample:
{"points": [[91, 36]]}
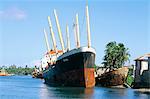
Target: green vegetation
{"points": [[115, 55], [18, 70], [130, 78]]}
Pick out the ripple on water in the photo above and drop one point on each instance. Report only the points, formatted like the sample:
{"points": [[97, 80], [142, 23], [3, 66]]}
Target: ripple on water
{"points": [[25, 87]]}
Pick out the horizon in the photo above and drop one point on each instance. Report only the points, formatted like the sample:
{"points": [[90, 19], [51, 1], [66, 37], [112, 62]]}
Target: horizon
{"points": [[22, 23]]}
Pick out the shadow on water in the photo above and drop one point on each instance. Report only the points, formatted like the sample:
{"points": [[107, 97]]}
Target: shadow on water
{"points": [[110, 93], [66, 92], [142, 94], [90, 93]]}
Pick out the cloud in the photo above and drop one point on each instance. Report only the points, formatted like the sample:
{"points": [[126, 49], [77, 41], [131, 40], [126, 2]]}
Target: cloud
{"points": [[35, 62], [13, 13]]}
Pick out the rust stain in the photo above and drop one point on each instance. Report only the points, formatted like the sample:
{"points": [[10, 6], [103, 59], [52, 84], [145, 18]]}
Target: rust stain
{"points": [[89, 77]]}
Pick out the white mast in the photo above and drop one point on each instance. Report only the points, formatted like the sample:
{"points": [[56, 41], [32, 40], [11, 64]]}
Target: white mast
{"points": [[59, 30], [75, 34], [47, 44], [68, 40], [77, 31], [88, 27], [46, 40], [52, 34]]}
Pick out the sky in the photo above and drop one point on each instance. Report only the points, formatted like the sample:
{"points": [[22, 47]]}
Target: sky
{"points": [[22, 22]]}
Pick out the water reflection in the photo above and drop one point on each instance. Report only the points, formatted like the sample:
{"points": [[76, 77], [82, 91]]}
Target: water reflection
{"points": [[141, 94], [65, 92], [47, 92], [25, 87], [114, 92]]}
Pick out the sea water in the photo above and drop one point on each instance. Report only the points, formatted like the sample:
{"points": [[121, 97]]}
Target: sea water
{"points": [[26, 87]]}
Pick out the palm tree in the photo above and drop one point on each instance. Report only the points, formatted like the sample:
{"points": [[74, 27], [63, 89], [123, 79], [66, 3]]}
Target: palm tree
{"points": [[115, 55]]}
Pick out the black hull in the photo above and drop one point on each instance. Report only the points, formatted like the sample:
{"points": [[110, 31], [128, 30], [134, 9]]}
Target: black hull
{"points": [[73, 70]]}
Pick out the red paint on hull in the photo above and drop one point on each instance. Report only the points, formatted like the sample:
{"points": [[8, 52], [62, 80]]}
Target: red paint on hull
{"points": [[89, 77]]}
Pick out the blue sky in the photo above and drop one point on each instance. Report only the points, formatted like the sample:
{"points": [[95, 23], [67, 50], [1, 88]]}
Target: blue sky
{"points": [[22, 22]]}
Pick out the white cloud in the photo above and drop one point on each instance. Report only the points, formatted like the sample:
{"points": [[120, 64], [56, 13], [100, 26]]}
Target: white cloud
{"points": [[13, 13], [35, 62]]}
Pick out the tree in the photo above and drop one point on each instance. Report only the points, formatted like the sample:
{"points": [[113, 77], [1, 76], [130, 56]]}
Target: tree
{"points": [[115, 55]]}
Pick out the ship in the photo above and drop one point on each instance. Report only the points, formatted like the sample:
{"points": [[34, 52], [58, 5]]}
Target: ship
{"points": [[73, 68], [37, 73], [70, 67], [115, 78], [3, 72]]}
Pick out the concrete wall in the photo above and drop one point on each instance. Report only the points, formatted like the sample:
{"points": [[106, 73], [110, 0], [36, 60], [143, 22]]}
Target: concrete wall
{"points": [[142, 74], [137, 71], [144, 66], [149, 63], [140, 66]]}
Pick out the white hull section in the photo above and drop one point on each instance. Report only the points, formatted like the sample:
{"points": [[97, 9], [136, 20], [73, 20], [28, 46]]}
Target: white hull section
{"points": [[77, 50]]}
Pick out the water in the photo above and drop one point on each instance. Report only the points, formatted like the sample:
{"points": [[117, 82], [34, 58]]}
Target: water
{"points": [[25, 87]]}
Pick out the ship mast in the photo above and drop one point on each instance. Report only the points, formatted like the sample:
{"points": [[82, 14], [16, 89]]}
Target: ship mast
{"points": [[68, 40], [46, 40], [88, 27], [75, 35], [52, 34], [59, 30], [77, 31], [47, 44]]}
